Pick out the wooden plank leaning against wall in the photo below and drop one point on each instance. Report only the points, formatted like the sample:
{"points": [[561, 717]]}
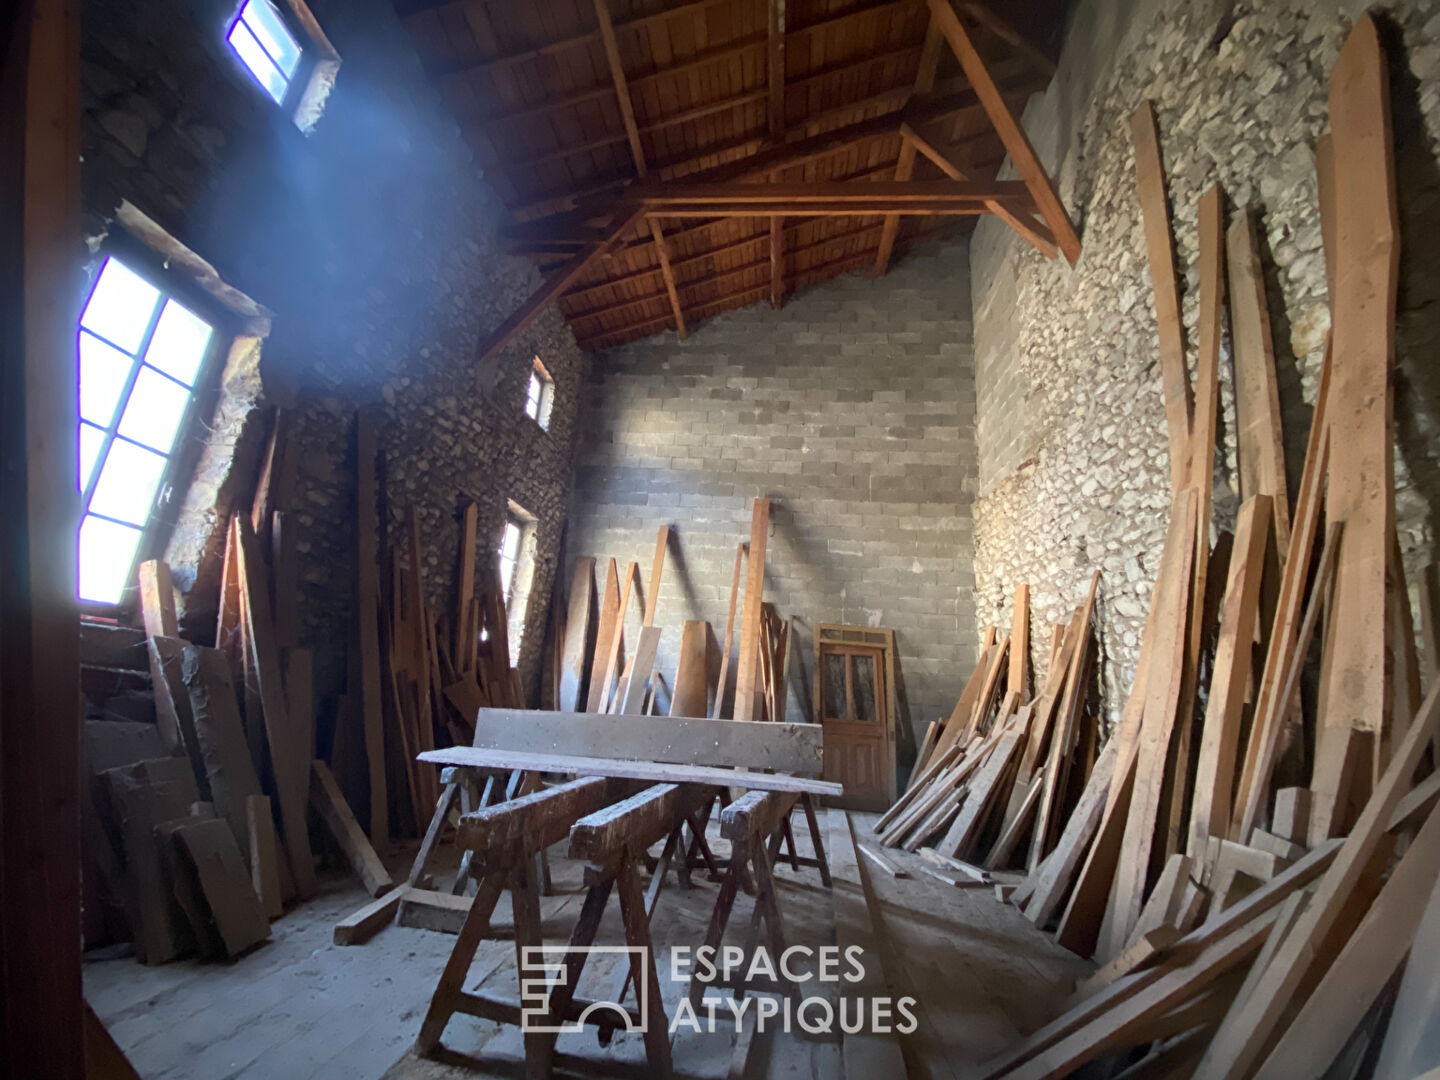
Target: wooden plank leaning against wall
{"points": [[41, 1012]]}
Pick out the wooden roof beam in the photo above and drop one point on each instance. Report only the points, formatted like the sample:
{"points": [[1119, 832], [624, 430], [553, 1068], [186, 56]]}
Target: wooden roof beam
{"points": [[905, 164], [556, 282], [1034, 232], [991, 20], [1027, 163]]}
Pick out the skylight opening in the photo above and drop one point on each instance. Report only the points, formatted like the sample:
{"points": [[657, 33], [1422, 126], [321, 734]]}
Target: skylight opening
{"points": [[265, 46]]}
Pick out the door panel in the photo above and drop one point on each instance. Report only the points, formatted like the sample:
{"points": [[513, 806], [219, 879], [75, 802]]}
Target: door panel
{"points": [[858, 744]]}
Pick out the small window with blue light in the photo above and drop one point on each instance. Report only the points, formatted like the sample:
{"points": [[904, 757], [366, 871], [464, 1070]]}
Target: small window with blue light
{"points": [[266, 46]]}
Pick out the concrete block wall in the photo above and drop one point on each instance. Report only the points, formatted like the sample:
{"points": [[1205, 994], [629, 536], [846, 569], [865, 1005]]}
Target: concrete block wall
{"points": [[853, 409]]}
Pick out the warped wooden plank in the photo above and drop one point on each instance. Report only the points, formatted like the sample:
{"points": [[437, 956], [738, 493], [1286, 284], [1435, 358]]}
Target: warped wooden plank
{"points": [[325, 796], [289, 756], [1257, 395], [604, 631], [677, 739], [1017, 144], [692, 687], [367, 616], [1319, 1032], [729, 634], [579, 634], [1360, 481], [1162, 695], [1253, 787], [1160, 251], [1230, 677], [653, 771], [748, 664], [1311, 947]]}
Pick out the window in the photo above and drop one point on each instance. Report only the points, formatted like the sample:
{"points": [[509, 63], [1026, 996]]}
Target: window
{"points": [[510, 555], [540, 395], [265, 45], [141, 354]]}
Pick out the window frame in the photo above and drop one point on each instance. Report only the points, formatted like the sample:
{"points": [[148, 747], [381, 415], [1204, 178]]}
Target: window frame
{"points": [[184, 455], [307, 90], [303, 69]]}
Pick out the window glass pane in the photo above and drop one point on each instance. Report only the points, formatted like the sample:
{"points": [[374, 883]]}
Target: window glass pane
{"points": [[507, 575], [153, 413], [268, 27], [107, 551], [91, 439], [510, 543], [120, 307], [128, 482], [103, 371], [256, 59], [181, 338], [532, 397], [864, 688], [834, 680]]}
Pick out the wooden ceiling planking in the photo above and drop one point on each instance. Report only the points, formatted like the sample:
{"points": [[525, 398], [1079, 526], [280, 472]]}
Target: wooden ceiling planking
{"points": [[531, 88]]}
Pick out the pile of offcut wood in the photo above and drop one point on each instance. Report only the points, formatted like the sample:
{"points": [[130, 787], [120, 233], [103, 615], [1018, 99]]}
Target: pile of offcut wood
{"points": [[1254, 873]]}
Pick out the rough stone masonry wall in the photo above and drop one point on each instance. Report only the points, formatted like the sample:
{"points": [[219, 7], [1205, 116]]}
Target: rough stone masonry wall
{"points": [[1071, 427], [852, 408], [372, 241]]}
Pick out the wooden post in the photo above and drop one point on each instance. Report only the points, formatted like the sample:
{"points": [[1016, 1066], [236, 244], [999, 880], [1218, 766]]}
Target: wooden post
{"points": [[748, 667]]}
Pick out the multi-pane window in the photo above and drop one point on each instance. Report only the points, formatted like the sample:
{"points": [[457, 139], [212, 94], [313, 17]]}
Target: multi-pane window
{"points": [[141, 354], [510, 555], [265, 45], [540, 395]]}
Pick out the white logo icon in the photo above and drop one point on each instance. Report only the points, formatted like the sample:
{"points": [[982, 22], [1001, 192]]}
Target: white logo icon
{"points": [[548, 963]]}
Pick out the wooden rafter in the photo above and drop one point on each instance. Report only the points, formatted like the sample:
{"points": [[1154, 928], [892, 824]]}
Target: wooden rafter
{"points": [[777, 262], [1027, 163], [905, 165], [1034, 232]]}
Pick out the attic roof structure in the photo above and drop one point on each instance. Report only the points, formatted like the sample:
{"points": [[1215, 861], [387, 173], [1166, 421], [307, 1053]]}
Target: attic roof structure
{"points": [[626, 136]]}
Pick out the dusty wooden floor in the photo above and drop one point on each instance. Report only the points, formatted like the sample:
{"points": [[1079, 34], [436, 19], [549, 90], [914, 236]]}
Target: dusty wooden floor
{"points": [[302, 1007]]}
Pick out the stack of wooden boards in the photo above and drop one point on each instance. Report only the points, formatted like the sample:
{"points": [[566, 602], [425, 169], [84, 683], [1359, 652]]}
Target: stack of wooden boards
{"points": [[183, 829], [1260, 875], [595, 676]]}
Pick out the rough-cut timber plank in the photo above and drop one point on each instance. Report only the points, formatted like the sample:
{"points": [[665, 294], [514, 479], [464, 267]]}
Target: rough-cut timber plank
{"points": [[681, 740], [226, 883], [579, 635], [657, 570], [367, 613], [157, 599], [692, 688], [360, 926], [289, 756], [748, 665], [264, 854], [1317, 1035], [1053, 877], [986, 787], [1022, 154], [221, 737], [652, 771], [1412, 1041], [1162, 694], [540, 818], [1230, 677], [614, 664], [641, 668], [174, 719], [1311, 947], [1257, 396], [325, 796], [1018, 681], [716, 708], [1160, 249], [1360, 481]]}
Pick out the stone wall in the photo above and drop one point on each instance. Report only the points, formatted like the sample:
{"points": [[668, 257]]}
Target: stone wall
{"points": [[371, 240], [852, 408], [1071, 432]]}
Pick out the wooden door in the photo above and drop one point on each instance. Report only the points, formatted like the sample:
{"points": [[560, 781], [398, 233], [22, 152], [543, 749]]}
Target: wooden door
{"points": [[854, 708]]}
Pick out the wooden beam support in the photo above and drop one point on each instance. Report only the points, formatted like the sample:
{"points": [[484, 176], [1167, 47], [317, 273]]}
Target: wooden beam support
{"points": [[777, 262], [1042, 189], [1035, 233], [905, 165], [748, 665], [775, 68], [625, 219]]}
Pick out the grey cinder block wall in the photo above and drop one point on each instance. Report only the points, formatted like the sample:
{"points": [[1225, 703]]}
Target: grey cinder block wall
{"points": [[853, 409]]}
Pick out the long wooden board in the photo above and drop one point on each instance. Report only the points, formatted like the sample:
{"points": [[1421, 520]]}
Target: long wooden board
{"points": [[604, 630], [677, 739], [747, 667], [654, 771], [692, 686], [720, 687], [579, 634]]}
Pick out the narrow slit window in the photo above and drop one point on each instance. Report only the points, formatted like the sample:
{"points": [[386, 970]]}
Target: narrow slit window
{"points": [[510, 555], [141, 353], [266, 47], [540, 395]]}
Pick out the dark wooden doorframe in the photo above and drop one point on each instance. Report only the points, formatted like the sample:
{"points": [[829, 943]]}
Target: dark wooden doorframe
{"points": [[41, 1010]]}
